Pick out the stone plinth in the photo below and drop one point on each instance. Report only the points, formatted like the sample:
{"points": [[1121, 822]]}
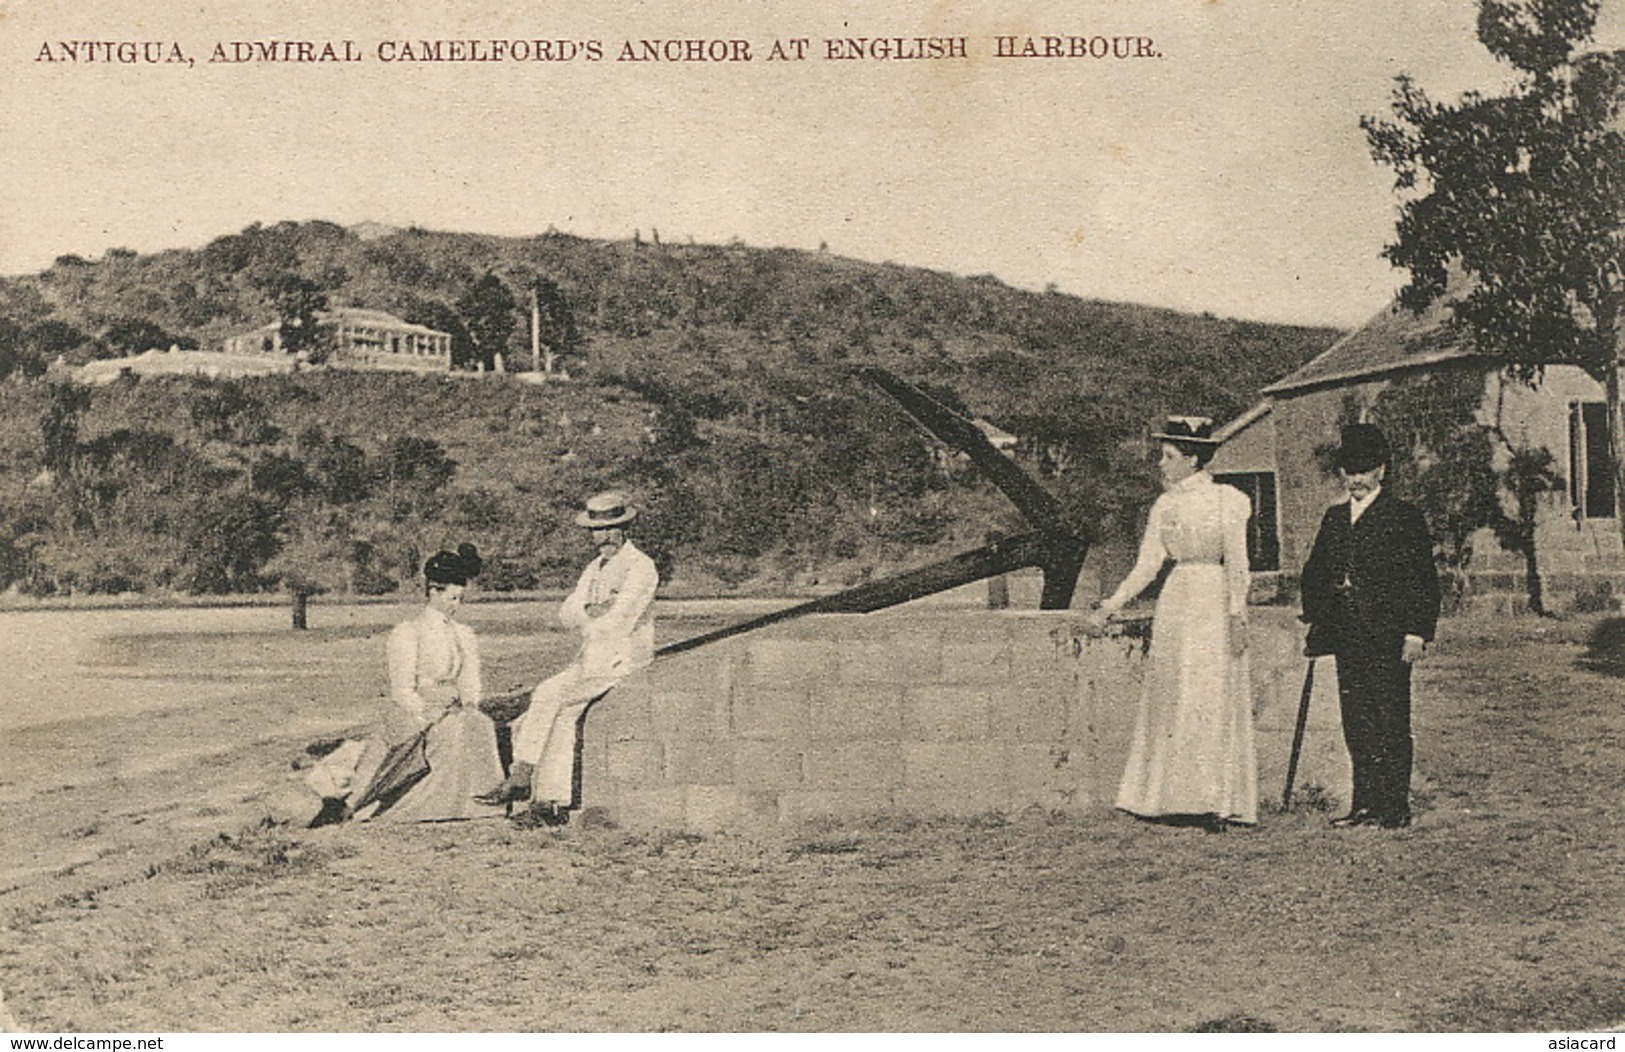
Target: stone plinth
{"points": [[916, 711]]}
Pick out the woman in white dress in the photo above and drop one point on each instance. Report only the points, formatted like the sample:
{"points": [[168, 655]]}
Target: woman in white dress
{"points": [[435, 683], [434, 686], [1191, 758]]}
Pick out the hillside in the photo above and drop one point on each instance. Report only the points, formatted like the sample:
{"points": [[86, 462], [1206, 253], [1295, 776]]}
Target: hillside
{"points": [[715, 381]]}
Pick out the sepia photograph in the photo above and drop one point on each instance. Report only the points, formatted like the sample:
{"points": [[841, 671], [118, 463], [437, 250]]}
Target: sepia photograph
{"points": [[955, 517]]}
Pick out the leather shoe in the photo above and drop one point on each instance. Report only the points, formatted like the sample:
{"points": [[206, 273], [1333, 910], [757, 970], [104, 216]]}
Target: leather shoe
{"points": [[1394, 822], [542, 815], [507, 793], [1361, 817], [332, 813]]}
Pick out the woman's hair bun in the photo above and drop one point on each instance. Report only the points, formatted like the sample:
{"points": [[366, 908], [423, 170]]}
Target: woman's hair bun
{"points": [[456, 567]]}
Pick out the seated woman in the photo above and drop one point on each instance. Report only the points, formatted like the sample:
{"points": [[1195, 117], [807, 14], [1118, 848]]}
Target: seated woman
{"points": [[434, 685]]}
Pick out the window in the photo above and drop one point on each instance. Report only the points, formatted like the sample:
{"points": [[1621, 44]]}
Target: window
{"points": [[1591, 478], [1263, 542]]}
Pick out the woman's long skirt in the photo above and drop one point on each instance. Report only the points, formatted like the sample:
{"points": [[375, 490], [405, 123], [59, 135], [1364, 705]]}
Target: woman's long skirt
{"points": [[1192, 750], [463, 761]]}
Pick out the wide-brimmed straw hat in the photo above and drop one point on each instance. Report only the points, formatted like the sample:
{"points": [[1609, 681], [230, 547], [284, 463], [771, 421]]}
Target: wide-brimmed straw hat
{"points": [[603, 510], [1197, 430]]}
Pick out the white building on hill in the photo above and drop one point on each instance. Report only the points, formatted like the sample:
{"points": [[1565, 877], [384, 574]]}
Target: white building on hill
{"points": [[361, 339]]}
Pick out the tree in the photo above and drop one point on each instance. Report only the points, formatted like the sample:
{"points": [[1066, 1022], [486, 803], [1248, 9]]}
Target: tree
{"points": [[1530, 474], [1514, 204], [1465, 474], [312, 556], [59, 429], [48, 340], [229, 539], [415, 468], [15, 354], [131, 336], [487, 310], [556, 331], [298, 302], [338, 466], [438, 315], [234, 426]]}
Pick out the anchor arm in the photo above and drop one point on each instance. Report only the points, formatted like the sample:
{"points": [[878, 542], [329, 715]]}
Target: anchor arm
{"points": [[1064, 548], [1052, 546], [1011, 553], [1032, 500]]}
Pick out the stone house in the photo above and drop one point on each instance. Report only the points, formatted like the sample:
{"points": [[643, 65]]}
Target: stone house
{"points": [[363, 339], [1275, 452]]}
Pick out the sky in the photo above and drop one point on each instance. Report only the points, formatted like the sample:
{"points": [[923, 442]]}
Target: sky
{"points": [[1220, 168]]}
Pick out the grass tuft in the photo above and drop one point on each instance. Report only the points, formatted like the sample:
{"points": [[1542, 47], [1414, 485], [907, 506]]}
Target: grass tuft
{"points": [[826, 845], [1235, 1024], [256, 855]]}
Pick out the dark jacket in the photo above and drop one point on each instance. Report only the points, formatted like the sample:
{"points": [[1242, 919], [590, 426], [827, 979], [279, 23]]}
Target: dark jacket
{"points": [[1373, 581]]}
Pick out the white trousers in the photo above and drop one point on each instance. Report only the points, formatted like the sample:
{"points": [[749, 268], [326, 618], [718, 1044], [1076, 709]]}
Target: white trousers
{"points": [[545, 736]]}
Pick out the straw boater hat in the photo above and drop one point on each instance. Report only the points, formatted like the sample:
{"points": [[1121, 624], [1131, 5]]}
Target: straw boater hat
{"points": [[610, 508], [1364, 448], [1195, 430]]}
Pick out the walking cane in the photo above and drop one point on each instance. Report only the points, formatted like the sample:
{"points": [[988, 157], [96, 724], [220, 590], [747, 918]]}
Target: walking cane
{"points": [[1297, 734]]}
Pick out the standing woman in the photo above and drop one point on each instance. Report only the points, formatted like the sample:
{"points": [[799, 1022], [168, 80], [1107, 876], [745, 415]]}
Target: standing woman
{"points": [[1192, 753], [434, 682]]}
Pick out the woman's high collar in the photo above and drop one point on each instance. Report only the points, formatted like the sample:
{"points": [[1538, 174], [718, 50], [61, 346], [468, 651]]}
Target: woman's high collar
{"points": [[1197, 478]]}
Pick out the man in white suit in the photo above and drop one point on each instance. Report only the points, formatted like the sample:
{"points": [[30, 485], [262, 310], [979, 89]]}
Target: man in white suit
{"points": [[613, 608]]}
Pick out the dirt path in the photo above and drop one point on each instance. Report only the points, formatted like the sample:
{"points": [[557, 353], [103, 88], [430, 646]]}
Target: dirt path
{"points": [[153, 897]]}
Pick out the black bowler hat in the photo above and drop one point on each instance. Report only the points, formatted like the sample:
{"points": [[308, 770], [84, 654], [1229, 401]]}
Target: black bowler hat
{"points": [[1364, 448], [1197, 430], [456, 567]]}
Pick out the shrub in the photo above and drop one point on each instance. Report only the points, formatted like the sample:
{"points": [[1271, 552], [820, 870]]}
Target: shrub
{"points": [[1605, 649]]}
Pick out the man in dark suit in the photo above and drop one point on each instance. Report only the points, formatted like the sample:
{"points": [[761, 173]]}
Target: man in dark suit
{"points": [[1371, 598]]}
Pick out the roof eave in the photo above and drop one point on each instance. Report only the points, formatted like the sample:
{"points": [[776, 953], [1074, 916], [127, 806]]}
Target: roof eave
{"points": [[1242, 422], [1375, 372]]}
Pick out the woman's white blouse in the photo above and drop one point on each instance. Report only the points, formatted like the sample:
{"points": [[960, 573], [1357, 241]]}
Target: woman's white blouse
{"points": [[1195, 521], [432, 654]]}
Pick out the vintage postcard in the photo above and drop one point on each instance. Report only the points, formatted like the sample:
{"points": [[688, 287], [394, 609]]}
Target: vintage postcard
{"points": [[424, 419]]}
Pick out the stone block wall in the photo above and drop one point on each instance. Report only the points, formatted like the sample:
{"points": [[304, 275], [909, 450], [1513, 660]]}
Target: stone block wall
{"points": [[911, 711]]}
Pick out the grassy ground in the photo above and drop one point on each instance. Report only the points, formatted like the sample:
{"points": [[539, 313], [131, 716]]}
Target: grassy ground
{"points": [[166, 889]]}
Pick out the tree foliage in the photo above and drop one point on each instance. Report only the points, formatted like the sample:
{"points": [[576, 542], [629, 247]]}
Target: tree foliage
{"points": [[126, 337], [298, 302], [1514, 204], [487, 314], [29, 349], [1465, 473], [557, 333]]}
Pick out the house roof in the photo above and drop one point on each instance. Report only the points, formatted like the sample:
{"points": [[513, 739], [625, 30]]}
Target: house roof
{"points": [[376, 318], [1395, 339], [1241, 423]]}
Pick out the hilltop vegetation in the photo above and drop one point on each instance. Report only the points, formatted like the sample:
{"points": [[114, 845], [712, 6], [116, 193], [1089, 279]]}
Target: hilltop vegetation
{"points": [[714, 382]]}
